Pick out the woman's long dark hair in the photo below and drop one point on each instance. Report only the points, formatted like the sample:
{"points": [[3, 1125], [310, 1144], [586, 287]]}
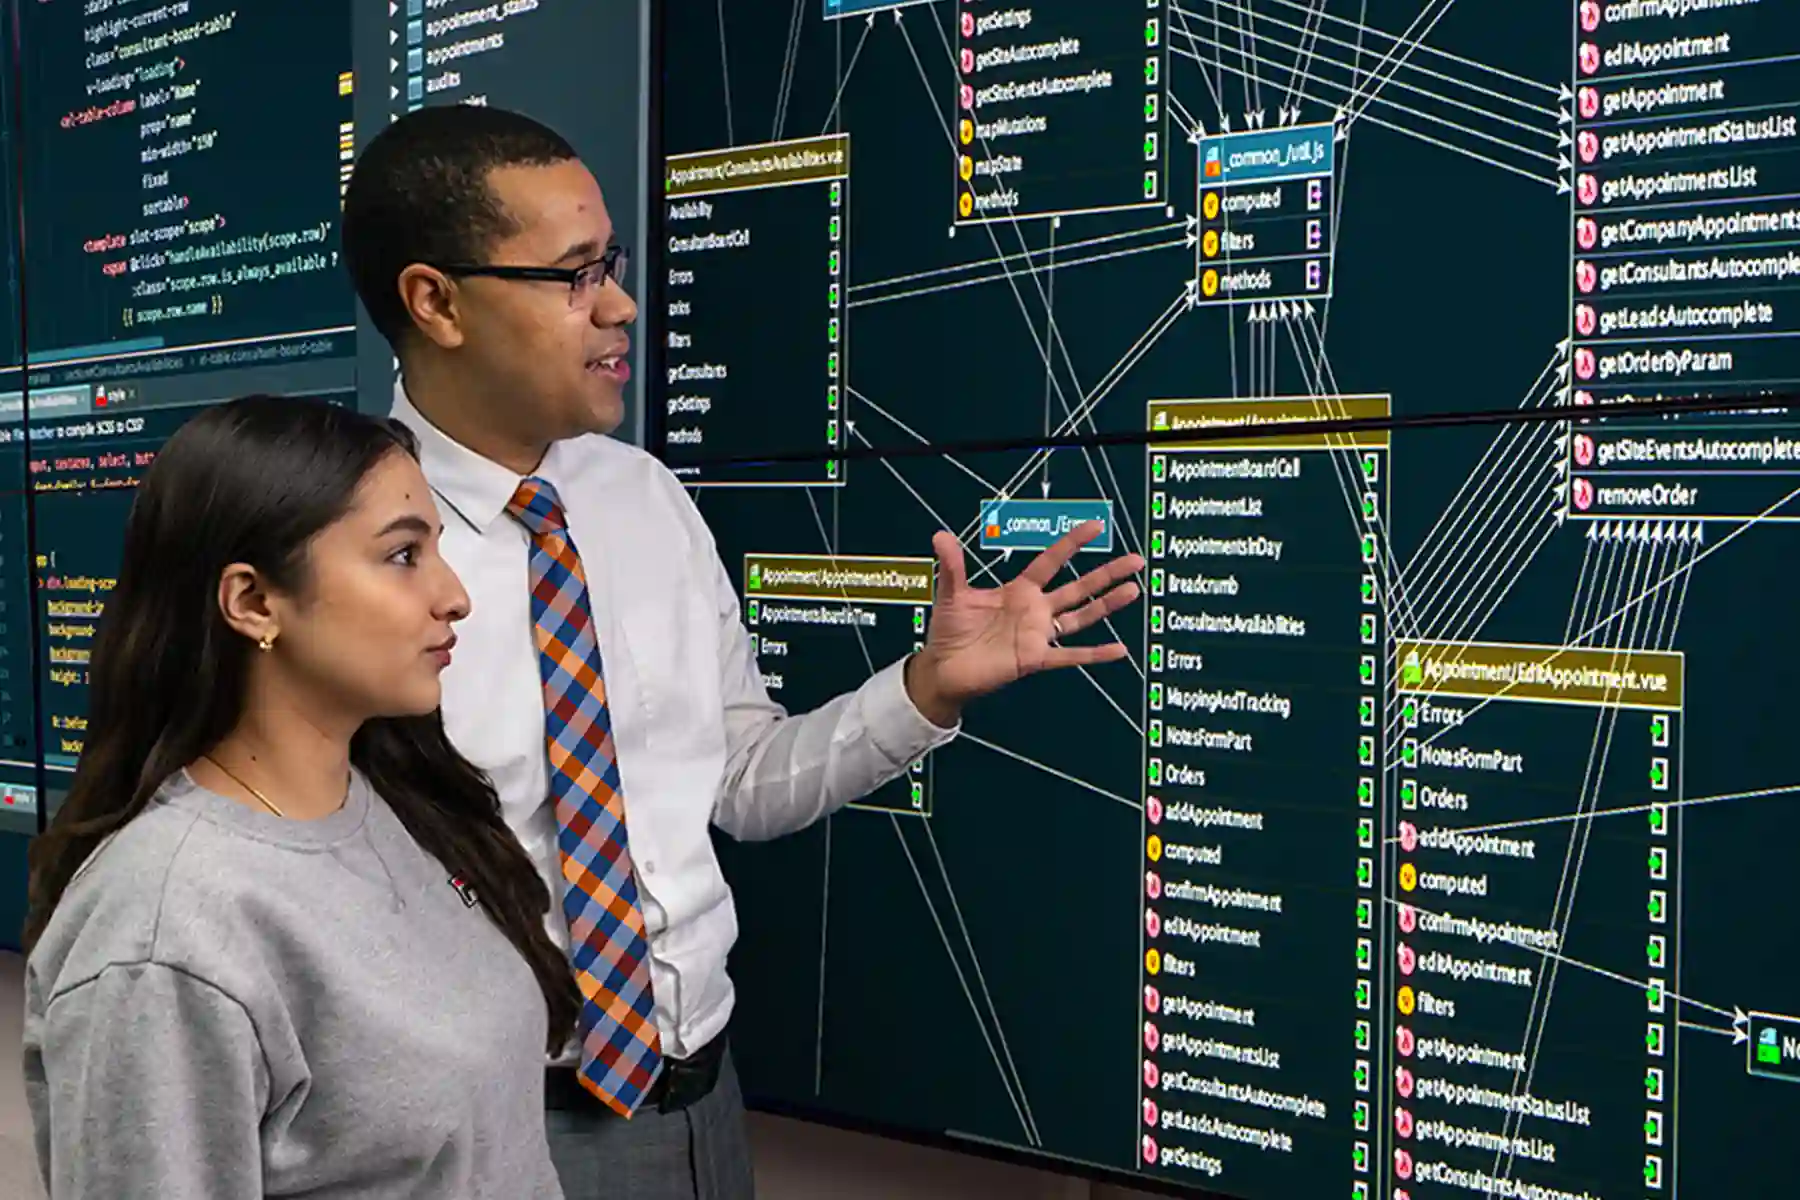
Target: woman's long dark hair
{"points": [[254, 481]]}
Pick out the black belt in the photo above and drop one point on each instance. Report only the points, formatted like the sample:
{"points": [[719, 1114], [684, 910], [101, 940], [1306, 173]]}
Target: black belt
{"points": [[682, 1083]]}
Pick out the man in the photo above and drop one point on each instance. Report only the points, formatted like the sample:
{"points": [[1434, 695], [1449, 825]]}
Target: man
{"points": [[482, 249]]}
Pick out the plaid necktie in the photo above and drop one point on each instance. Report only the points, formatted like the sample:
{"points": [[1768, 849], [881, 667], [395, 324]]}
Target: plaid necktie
{"points": [[621, 1051]]}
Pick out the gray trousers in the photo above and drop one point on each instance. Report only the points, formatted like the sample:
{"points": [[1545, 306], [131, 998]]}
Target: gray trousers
{"points": [[699, 1153]]}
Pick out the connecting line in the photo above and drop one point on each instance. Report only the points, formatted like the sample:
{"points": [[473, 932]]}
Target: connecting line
{"points": [[1407, 40], [1006, 1080], [1127, 528], [1548, 128], [918, 437], [1576, 962], [1007, 273], [844, 78], [725, 77], [965, 736], [1310, 32], [987, 569], [857, 289], [789, 60], [1625, 811]]}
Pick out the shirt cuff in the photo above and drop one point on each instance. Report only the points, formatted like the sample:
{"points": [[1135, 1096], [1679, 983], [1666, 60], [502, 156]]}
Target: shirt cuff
{"points": [[894, 722]]}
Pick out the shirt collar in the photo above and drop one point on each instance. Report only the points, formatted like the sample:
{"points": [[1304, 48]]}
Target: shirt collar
{"points": [[477, 488]]}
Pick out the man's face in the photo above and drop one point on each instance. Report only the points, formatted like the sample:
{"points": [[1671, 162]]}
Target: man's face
{"points": [[555, 356]]}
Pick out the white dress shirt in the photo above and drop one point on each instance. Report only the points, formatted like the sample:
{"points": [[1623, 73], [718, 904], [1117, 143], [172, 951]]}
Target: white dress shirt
{"points": [[699, 740]]}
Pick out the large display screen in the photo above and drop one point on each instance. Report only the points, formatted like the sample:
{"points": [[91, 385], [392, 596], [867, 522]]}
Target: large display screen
{"points": [[1422, 845]]}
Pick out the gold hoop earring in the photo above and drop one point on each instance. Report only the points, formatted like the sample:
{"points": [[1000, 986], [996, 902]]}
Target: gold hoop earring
{"points": [[267, 643]]}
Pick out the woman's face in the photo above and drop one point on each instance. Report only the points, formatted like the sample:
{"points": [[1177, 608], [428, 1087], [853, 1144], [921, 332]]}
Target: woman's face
{"points": [[369, 631]]}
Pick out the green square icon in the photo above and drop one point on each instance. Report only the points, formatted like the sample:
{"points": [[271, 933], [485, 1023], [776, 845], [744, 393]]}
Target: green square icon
{"points": [[1152, 70], [1365, 751], [1409, 713], [1368, 548], [831, 432], [1159, 505], [831, 364], [1365, 954], [1362, 1116], [1365, 710], [1152, 32], [1659, 729], [1368, 506], [1362, 993], [833, 262], [837, 227], [1365, 914], [755, 611], [918, 795], [1159, 468], [1156, 772], [918, 619], [831, 468], [1365, 833], [1368, 589], [837, 192], [1156, 733], [1409, 793], [1156, 618], [1156, 582], [831, 331], [1149, 185], [1409, 752], [1156, 658], [1365, 792], [831, 296], [831, 397], [1151, 107], [1363, 1035], [1156, 543], [1366, 670], [1149, 146], [1371, 471], [1156, 696], [1368, 629]]}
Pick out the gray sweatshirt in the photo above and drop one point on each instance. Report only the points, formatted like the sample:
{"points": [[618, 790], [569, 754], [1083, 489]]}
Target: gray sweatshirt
{"points": [[231, 1004]]}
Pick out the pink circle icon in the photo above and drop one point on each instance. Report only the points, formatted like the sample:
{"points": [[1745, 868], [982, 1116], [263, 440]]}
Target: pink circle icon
{"points": [[1583, 399], [1589, 101], [1587, 232], [1150, 1150], [968, 24], [967, 95], [1152, 885], [1408, 960], [1152, 1037], [1403, 1122], [1590, 58], [1587, 144], [1409, 918], [1403, 1082], [1582, 492], [1409, 836], [1584, 450], [968, 62], [1152, 923], [1150, 1112], [1585, 320], [1590, 15], [1587, 189], [1151, 1075], [1404, 1041], [1402, 1194], [1403, 1164], [1584, 363], [1152, 999], [1153, 810], [1586, 277]]}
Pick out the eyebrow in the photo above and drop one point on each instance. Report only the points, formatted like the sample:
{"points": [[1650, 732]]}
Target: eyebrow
{"points": [[584, 251], [409, 524]]}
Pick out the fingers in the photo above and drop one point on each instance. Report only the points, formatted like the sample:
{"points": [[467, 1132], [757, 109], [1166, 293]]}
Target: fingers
{"points": [[1095, 581], [1098, 609], [1082, 656], [1042, 569], [953, 575]]}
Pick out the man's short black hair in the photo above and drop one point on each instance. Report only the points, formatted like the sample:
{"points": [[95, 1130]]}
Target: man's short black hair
{"points": [[419, 194]]}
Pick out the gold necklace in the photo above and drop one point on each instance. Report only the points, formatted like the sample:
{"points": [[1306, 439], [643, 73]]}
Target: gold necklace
{"points": [[267, 803]]}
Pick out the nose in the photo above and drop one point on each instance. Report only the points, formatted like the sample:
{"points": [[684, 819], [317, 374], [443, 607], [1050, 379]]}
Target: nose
{"points": [[451, 602], [613, 306]]}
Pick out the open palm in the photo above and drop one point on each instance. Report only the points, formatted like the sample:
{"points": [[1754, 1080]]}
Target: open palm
{"points": [[982, 639]]}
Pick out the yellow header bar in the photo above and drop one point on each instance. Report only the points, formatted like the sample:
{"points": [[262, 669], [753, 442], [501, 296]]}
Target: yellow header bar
{"points": [[823, 577], [1599, 676], [1175, 416], [771, 164]]}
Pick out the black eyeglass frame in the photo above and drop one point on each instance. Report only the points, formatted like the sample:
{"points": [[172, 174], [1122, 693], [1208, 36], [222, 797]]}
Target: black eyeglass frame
{"points": [[611, 265]]}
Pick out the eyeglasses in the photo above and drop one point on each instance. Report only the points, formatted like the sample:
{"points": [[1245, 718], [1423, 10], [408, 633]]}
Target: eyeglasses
{"points": [[583, 281]]}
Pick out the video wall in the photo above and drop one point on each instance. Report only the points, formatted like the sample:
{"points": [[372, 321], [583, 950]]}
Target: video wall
{"points": [[1417, 850]]}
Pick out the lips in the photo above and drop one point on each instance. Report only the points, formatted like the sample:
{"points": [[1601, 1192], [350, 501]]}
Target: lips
{"points": [[443, 647]]}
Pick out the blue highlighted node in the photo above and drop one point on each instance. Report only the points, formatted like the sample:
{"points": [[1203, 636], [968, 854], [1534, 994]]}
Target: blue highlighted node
{"points": [[1267, 155], [1034, 524]]}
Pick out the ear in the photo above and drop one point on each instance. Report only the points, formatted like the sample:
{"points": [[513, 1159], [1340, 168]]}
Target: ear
{"points": [[246, 604], [430, 298]]}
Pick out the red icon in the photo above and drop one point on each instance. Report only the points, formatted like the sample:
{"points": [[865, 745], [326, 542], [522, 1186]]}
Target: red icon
{"points": [[1403, 1082], [1590, 16], [1151, 1075], [1587, 189], [1585, 320], [1152, 1038], [1586, 277], [1582, 492], [1150, 1150], [1153, 810], [1403, 1164], [1589, 101], [1152, 923], [968, 24], [1405, 1041], [1583, 399], [1409, 836], [1584, 363], [1587, 231], [1403, 1122], [1408, 959], [1153, 885], [1152, 999], [1584, 450], [1587, 143], [1590, 58], [967, 95], [968, 61], [1409, 918], [1150, 1112]]}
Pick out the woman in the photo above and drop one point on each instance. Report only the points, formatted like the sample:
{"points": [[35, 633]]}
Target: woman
{"points": [[280, 940]]}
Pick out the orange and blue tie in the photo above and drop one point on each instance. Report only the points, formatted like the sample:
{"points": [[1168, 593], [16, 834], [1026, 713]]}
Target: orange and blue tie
{"points": [[621, 1051]]}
